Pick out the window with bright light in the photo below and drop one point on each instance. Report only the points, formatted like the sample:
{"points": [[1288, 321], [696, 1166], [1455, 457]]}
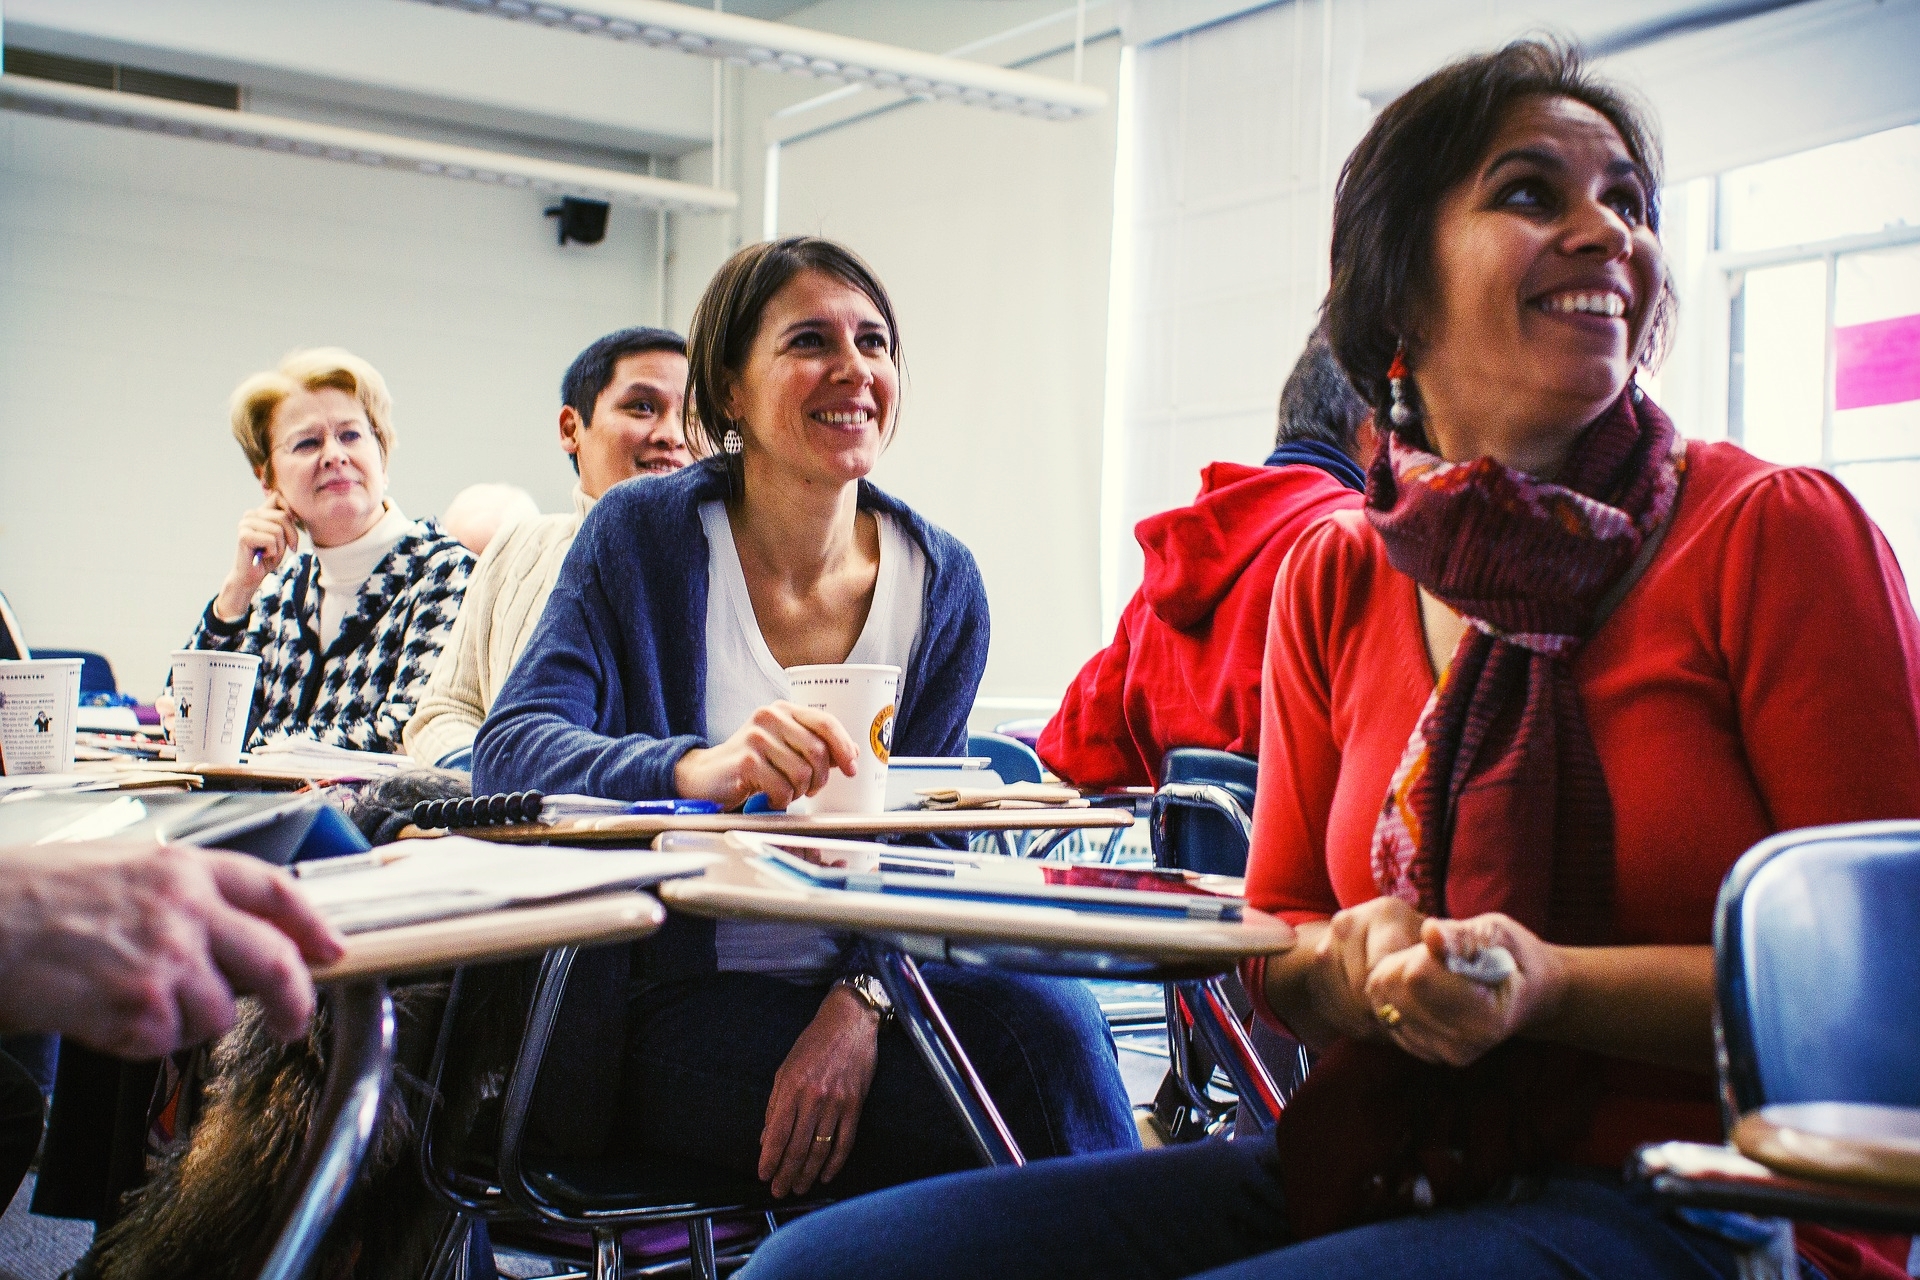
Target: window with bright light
{"points": [[1822, 254]]}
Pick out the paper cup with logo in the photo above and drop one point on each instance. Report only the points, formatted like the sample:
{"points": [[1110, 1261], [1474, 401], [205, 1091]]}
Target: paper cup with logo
{"points": [[39, 702], [213, 694], [861, 697]]}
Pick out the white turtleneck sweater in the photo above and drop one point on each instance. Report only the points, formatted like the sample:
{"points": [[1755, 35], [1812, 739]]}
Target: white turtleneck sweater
{"points": [[345, 569], [505, 597]]}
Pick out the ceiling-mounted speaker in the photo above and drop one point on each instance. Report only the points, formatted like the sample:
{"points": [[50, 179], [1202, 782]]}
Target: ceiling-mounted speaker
{"points": [[581, 221]]}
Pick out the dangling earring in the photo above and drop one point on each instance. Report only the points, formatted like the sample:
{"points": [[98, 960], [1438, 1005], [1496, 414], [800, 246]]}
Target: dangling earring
{"points": [[731, 444], [1401, 412]]}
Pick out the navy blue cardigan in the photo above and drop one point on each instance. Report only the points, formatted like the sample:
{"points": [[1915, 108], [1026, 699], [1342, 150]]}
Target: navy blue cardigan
{"points": [[611, 689]]}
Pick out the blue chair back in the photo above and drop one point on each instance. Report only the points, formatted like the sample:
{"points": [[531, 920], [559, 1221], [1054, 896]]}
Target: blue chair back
{"points": [[1013, 760], [1817, 955], [1195, 834], [96, 673]]}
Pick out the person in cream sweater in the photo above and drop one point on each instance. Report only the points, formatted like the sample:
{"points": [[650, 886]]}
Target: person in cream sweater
{"points": [[621, 418]]}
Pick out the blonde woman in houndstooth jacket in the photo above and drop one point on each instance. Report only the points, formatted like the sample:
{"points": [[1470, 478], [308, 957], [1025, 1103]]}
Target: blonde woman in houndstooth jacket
{"points": [[348, 632]]}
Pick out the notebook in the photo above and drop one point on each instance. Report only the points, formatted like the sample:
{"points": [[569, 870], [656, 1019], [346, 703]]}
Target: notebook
{"points": [[860, 867]]}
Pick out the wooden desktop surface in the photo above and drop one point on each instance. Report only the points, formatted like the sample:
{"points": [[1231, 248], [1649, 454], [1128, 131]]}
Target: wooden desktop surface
{"points": [[642, 828], [1846, 1142], [620, 916], [737, 889]]}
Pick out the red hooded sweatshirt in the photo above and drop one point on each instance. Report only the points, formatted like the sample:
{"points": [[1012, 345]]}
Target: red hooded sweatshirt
{"points": [[1184, 668]]}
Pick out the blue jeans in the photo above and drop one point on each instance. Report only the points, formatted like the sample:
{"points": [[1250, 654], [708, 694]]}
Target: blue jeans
{"points": [[702, 1053], [1214, 1209]]}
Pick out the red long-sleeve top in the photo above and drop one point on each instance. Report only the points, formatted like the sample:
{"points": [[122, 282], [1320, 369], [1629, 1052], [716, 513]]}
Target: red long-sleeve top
{"points": [[1763, 674]]}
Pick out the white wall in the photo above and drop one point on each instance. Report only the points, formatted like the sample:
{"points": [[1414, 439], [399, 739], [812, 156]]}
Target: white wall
{"points": [[141, 277], [991, 233]]}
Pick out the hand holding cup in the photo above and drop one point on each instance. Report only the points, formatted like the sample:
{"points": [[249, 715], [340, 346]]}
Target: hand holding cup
{"points": [[785, 750]]}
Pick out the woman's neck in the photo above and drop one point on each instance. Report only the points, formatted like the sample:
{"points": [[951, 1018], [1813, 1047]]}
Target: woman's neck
{"points": [[794, 529], [329, 538], [1535, 439]]}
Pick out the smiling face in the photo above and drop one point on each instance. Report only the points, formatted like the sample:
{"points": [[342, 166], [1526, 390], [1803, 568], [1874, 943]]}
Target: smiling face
{"points": [[1547, 274], [327, 464], [637, 428], [818, 391]]}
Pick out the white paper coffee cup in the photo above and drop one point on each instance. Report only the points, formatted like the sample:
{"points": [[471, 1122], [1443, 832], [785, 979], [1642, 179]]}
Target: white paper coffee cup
{"points": [[861, 697], [213, 696], [39, 702]]}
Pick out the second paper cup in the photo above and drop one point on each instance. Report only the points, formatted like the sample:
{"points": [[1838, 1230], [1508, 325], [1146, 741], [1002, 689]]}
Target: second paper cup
{"points": [[214, 692]]}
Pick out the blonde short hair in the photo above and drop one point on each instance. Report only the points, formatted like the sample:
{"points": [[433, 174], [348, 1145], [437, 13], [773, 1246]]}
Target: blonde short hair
{"points": [[252, 405]]}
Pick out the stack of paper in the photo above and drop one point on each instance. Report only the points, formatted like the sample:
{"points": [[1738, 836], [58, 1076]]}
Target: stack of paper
{"points": [[416, 880], [308, 755]]}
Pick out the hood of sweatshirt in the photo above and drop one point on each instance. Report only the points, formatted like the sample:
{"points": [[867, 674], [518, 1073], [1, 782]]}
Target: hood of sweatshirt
{"points": [[1195, 554]]}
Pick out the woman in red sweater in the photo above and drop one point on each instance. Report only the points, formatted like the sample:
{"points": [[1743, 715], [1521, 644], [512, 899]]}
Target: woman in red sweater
{"points": [[1521, 713]]}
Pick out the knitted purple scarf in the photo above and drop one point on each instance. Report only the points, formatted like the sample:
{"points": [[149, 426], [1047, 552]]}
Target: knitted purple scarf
{"points": [[1499, 803]]}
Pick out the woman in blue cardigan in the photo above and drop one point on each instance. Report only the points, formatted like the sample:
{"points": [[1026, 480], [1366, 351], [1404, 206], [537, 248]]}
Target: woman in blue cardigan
{"points": [[657, 671]]}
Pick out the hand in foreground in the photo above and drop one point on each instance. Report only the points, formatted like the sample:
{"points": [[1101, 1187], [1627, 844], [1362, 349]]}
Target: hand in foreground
{"points": [[783, 749], [140, 949], [1355, 941], [817, 1095], [1453, 1020], [267, 534]]}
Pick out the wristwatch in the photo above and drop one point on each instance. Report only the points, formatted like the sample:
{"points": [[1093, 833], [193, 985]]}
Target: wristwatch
{"points": [[868, 990]]}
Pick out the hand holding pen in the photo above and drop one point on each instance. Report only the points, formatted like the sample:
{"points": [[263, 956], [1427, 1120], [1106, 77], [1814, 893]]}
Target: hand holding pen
{"points": [[266, 535]]}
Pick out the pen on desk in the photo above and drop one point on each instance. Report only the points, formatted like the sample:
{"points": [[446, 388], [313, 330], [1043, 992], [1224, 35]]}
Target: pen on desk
{"points": [[354, 862]]}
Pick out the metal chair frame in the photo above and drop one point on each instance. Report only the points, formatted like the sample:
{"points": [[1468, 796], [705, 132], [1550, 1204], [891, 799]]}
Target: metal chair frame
{"points": [[342, 1127], [519, 1195], [1203, 1010]]}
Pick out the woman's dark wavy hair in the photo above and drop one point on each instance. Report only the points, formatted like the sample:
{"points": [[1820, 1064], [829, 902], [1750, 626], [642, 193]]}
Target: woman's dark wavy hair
{"points": [[1428, 140], [728, 316]]}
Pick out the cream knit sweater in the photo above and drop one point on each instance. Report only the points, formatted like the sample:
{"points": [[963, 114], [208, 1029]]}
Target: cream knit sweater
{"points": [[505, 596]]}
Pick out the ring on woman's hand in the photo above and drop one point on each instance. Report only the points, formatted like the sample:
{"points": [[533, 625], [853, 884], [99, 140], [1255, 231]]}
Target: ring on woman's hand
{"points": [[823, 1137], [1389, 1015]]}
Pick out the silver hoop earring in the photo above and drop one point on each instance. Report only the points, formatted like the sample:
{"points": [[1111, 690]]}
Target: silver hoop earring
{"points": [[731, 443]]}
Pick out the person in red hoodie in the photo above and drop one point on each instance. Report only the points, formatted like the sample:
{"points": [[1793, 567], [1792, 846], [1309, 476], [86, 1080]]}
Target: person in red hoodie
{"points": [[1184, 668]]}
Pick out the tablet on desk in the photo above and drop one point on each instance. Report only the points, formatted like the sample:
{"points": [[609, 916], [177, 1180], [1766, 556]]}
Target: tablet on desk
{"points": [[873, 868]]}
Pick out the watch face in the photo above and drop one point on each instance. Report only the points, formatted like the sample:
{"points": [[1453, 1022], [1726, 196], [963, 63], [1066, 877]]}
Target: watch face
{"points": [[872, 993]]}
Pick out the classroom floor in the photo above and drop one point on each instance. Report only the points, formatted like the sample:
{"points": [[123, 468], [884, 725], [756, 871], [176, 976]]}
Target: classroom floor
{"points": [[34, 1248]]}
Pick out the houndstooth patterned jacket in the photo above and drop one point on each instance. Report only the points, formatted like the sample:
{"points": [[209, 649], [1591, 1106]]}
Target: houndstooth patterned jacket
{"points": [[363, 690]]}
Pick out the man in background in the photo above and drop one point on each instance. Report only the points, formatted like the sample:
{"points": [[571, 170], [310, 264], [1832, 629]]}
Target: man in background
{"points": [[1184, 668], [620, 417]]}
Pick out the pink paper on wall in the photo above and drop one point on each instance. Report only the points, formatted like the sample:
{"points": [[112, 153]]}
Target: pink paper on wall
{"points": [[1877, 363]]}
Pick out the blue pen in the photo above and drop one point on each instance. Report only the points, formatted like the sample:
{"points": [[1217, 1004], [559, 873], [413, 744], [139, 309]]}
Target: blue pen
{"points": [[674, 807]]}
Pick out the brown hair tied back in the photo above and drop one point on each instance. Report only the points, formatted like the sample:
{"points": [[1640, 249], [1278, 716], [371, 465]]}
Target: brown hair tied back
{"points": [[1428, 140], [728, 316]]}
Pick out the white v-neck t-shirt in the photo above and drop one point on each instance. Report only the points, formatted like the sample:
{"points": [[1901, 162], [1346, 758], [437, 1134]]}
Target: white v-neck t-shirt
{"points": [[742, 677]]}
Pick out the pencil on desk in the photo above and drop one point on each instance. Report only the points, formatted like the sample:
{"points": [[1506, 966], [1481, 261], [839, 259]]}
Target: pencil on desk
{"points": [[355, 862]]}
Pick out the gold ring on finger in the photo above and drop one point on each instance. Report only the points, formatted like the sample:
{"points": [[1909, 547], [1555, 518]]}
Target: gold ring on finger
{"points": [[823, 1137], [1388, 1014]]}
